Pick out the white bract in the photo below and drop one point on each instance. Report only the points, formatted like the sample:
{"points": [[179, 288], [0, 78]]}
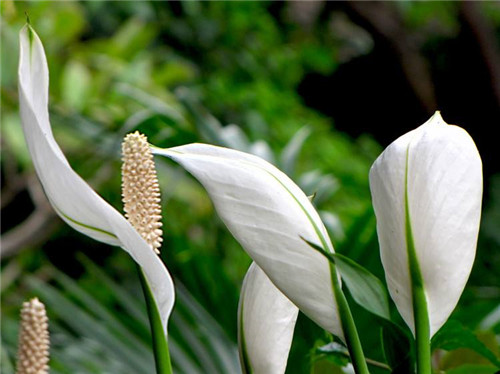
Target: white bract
{"points": [[266, 321], [269, 215], [433, 176], [72, 198]]}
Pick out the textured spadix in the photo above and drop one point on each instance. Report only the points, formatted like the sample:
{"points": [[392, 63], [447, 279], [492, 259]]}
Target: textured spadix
{"points": [[268, 214], [437, 168], [266, 321], [140, 189], [33, 350], [72, 198]]}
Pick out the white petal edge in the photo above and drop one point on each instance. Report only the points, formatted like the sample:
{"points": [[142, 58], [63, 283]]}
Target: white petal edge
{"points": [[72, 198], [268, 214], [266, 321], [444, 196]]}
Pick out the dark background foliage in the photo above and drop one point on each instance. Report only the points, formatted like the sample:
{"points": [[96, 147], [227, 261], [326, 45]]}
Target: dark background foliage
{"points": [[318, 88]]}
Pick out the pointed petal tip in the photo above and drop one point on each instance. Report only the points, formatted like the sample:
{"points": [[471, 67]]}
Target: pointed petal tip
{"points": [[28, 33], [436, 119]]}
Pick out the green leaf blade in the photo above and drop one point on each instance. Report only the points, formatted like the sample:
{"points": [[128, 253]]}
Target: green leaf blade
{"points": [[365, 288]]}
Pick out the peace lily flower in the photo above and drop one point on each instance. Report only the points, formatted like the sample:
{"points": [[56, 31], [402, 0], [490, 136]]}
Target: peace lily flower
{"points": [[72, 198], [426, 190], [266, 320], [276, 224], [269, 216]]}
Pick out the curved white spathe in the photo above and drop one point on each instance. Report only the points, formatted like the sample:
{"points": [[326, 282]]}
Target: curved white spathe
{"points": [[440, 169], [268, 214], [266, 321], [72, 198]]}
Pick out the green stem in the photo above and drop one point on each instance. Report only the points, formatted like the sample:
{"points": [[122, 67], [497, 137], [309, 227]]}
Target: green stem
{"points": [[348, 326], [346, 320], [160, 341], [422, 331], [420, 311], [370, 362]]}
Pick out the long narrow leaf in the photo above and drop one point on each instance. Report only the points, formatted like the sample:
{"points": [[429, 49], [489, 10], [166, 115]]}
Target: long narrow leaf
{"points": [[366, 289]]}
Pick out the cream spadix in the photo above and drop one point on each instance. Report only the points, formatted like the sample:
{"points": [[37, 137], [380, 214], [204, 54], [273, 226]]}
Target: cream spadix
{"points": [[140, 189], [266, 321], [33, 350], [427, 187], [269, 216], [72, 198]]}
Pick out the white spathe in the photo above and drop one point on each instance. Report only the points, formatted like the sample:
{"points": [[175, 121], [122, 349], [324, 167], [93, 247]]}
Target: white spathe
{"points": [[266, 321], [440, 168], [268, 214], [72, 198]]}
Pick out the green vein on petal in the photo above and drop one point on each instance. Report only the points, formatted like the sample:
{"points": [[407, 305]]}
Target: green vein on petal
{"points": [[416, 275], [421, 320], [316, 228], [200, 153], [85, 225], [333, 271]]}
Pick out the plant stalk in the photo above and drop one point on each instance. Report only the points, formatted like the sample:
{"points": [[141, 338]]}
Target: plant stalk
{"points": [[160, 341], [422, 331], [346, 320], [348, 326], [420, 311]]}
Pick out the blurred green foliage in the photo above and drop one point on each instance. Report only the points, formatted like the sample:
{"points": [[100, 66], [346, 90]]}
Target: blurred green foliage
{"points": [[218, 72]]}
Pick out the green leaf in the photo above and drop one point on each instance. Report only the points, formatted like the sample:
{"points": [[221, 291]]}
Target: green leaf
{"points": [[326, 367], [366, 289], [453, 335], [396, 348], [471, 368]]}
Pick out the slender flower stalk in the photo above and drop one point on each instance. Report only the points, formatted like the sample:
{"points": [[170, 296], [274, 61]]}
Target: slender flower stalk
{"points": [[33, 351]]}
